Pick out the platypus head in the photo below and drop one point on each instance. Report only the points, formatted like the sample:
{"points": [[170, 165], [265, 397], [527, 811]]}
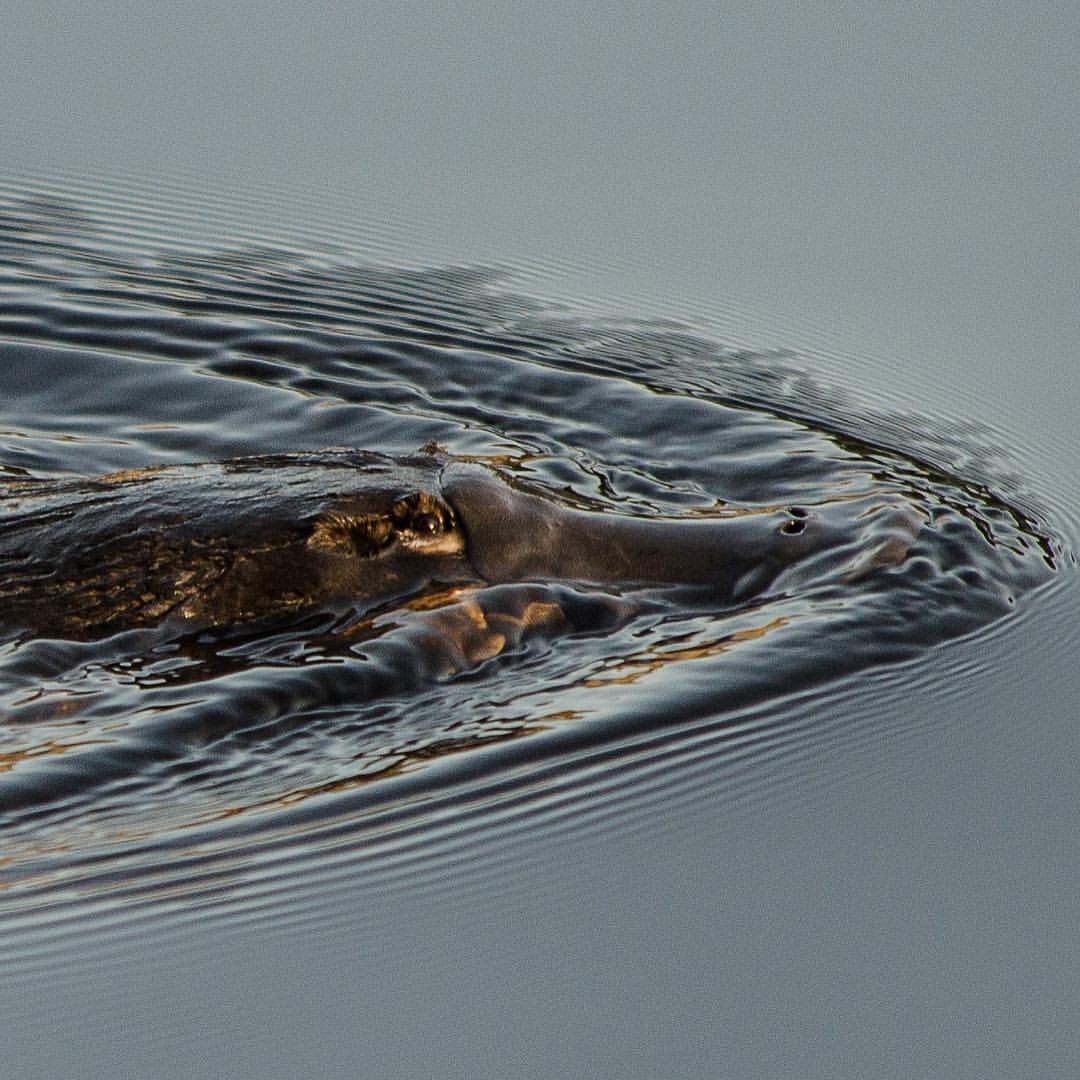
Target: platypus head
{"points": [[353, 529]]}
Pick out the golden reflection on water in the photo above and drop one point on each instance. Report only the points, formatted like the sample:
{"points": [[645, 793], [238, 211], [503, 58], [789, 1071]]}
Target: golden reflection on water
{"points": [[402, 763], [630, 669], [461, 627], [48, 705], [11, 759], [396, 763], [455, 626], [453, 630]]}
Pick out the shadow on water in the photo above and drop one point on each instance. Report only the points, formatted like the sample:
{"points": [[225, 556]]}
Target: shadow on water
{"points": [[148, 761]]}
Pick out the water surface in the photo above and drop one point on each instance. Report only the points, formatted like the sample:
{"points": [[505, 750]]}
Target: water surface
{"points": [[146, 773]]}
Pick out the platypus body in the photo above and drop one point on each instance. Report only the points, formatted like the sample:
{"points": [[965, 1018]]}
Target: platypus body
{"points": [[222, 544]]}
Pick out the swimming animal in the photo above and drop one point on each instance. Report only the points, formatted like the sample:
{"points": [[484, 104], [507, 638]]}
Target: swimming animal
{"points": [[272, 537]]}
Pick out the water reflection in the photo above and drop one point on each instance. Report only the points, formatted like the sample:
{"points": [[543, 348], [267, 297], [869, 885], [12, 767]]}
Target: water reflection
{"points": [[122, 351]]}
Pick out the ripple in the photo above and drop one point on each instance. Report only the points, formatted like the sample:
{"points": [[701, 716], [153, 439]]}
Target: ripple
{"points": [[149, 777]]}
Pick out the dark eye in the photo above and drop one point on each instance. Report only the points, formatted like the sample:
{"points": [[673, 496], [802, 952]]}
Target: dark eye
{"points": [[421, 514], [427, 523], [793, 527]]}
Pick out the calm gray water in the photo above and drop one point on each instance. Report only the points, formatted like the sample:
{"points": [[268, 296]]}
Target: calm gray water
{"points": [[727, 261]]}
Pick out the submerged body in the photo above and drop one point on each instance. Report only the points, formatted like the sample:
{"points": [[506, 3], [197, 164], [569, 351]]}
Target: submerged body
{"points": [[269, 537]]}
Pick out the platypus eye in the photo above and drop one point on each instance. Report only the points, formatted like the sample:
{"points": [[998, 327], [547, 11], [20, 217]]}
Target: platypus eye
{"points": [[421, 514], [427, 523]]}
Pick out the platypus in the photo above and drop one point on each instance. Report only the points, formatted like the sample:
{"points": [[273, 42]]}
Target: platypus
{"points": [[277, 536]]}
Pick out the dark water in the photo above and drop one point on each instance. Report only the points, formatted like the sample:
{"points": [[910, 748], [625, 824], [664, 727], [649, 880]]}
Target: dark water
{"points": [[145, 777]]}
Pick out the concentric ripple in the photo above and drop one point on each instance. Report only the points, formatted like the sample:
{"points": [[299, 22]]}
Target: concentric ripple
{"points": [[148, 767]]}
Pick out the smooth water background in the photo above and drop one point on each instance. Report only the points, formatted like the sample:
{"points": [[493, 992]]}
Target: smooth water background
{"points": [[891, 196]]}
